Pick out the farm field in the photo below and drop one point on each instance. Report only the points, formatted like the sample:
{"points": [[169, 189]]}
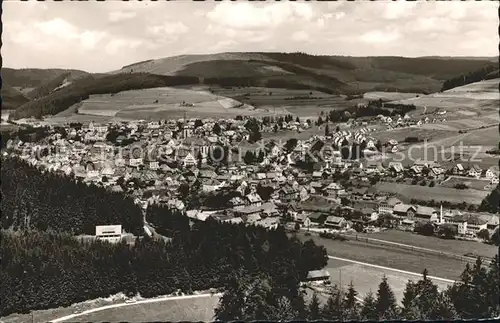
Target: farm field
{"points": [[443, 146], [391, 256], [162, 103], [474, 99], [452, 195], [458, 247], [302, 103]]}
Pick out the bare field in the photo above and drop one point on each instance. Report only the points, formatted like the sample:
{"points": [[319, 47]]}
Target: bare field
{"points": [[390, 96], [469, 196]]}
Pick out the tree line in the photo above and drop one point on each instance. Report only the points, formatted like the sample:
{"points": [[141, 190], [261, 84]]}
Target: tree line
{"points": [[45, 269], [32, 199], [475, 296], [486, 73]]}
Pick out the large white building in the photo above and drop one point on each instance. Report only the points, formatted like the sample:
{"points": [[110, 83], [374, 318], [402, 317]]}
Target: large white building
{"points": [[468, 224], [110, 233]]}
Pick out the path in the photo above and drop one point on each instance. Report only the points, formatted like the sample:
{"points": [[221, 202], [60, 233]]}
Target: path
{"points": [[154, 300]]}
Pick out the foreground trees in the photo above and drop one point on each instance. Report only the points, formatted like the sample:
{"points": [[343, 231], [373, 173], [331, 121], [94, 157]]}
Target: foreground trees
{"points": [[476, 295], [35, 200], [47, 269]]}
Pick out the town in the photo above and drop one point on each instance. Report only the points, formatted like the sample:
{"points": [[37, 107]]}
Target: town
{"points": [[271, 184]]}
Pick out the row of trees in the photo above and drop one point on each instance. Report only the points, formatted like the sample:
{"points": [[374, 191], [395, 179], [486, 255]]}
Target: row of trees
{"points": [[475, 296], [43, 200], [46, 269], [485, 73]]}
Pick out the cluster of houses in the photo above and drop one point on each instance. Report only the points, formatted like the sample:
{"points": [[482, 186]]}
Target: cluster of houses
{"points": [[147, 174]]}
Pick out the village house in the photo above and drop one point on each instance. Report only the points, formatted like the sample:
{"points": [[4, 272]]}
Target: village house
{"points": [[303, 220], [492, 173], [458, 169], [254, 200], [387, 206], [335, 222], [416, 212], [475, 171], [287, 194]]}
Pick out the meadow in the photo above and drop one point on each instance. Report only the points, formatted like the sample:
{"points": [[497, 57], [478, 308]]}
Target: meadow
{"points": [[469, 196]]}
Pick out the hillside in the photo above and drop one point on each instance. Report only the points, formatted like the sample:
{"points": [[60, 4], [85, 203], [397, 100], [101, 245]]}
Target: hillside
{"points": [[346, 74], [475, 99], [57, 90], [30, 78], [21, 85], [82, 88], [11, 98], [488, 72]]}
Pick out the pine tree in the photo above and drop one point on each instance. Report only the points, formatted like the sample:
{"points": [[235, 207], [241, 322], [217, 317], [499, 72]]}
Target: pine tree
{"points": [[410, 309], [327, 131], [313, 310], [386, 301], [369, 310], [350, 304], [332, 309], [492, 290], [426, 294]]}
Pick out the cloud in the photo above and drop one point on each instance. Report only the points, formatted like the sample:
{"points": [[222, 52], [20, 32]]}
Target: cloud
{"points": [[89, 39], [379, 36], [243, 15], [398, 9], [169, 28], [58, 28], [117, 45], [116, 16], [300, 36]]}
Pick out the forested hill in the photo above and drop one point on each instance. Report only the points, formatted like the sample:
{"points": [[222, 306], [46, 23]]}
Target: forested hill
{"points": [[488, 72], [56, 90]]}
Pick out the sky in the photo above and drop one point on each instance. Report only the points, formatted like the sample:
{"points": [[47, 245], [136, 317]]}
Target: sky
{"points": [[104, 36]]}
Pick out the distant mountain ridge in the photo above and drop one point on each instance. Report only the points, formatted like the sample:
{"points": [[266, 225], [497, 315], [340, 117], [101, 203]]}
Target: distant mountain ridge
{"points": [[54, 89]]}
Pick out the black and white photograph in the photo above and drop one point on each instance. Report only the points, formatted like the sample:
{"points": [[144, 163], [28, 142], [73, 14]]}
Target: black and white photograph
{"points": [[204, 161]]}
